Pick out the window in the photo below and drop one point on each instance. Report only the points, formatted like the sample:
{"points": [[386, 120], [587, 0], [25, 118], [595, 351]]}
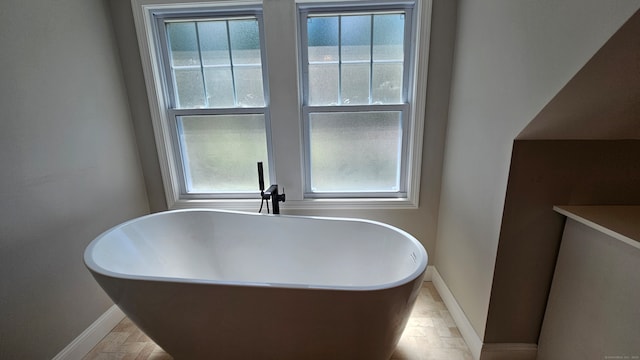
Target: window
{"points": [[327, 95], [356, 65], [215, 84]]}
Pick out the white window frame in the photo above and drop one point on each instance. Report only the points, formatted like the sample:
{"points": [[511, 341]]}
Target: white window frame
{"points": [[174, 113], [284, 103], [404, 108]]}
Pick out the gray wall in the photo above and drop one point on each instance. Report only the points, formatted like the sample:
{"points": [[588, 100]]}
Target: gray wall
{"points": [[511, 58], [70, 168], [127, 43], [420, 222]]}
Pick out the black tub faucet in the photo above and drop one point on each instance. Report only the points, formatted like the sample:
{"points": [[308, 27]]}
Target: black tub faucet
{"points": [[270, 193]]}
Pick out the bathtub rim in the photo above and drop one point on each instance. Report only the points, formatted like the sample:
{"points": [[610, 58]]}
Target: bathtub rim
{"points": [[422, 258]]}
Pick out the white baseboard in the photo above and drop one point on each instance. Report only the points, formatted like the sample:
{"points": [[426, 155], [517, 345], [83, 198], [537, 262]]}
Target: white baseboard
{"points": [[474, 342], [92, 335], [479, 351], [428, 274]]}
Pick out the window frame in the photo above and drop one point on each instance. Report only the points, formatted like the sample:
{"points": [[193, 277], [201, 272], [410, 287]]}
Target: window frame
{"points": [[173, 112], [404, 107], [290, 171]]}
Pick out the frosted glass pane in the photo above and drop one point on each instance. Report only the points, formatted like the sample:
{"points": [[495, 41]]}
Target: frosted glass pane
{"points": [[388, 37], [323, 84], [323, 54], [245, 42], [220, 152], [189, 88], [214, 43], [354, 152], [356, 38], [249, 89], [387, 83], [219, 87], [183, 43], [322, 33], [355, 84]]}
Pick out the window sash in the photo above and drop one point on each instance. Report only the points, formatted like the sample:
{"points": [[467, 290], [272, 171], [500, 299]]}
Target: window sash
{"points": [[228, 14], [403, 109], [307, 10], [179, 156], [173, 112]]}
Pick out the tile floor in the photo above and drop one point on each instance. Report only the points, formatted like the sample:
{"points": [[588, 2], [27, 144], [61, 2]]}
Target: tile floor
{"points": [[430, 334]]}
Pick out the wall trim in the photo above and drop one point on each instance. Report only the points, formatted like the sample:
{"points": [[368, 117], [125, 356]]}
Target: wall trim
{"points": [[428, 274], [474, 342], [92, 335], [509, 351]]}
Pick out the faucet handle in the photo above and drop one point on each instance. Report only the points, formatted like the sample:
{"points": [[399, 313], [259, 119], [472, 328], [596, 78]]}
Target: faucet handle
{"points": [[261, 176]]}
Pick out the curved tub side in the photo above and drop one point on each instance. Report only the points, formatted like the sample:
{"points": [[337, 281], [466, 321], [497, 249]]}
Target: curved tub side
{"points": [[196, 317], [201, 321]]}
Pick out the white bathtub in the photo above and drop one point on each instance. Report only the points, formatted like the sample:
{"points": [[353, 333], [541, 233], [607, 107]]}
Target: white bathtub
{"points": [[209, 284]]}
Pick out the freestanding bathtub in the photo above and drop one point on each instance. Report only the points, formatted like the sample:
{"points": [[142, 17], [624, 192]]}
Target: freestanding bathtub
{"points": [[209, 284]]}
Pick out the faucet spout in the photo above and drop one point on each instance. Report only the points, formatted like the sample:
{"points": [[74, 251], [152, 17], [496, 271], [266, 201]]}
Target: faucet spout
{"points": [[272, 193], [273, 189]]}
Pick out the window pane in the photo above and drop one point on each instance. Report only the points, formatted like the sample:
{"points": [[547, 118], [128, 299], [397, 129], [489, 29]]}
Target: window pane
{"points": [[185, 60], [220, 152], [189, 88], [355, 84], [356, 38], [327, 54], [322, 39], [387, 83], [388, 37], [183, 44], [323, 56], [249, 89], [214, 43], [355, 152], [245, 42], [323, 84], [219, 87]]}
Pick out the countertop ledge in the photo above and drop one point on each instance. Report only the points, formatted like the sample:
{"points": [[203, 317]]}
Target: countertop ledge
{"points": [[618, 221]]}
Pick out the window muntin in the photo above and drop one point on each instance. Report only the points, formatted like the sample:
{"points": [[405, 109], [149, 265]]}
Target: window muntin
{"points": [[218, 104], [356, 65]]}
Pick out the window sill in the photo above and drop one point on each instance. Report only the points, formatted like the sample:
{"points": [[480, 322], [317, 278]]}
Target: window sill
{"points": [[252, 205]]}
